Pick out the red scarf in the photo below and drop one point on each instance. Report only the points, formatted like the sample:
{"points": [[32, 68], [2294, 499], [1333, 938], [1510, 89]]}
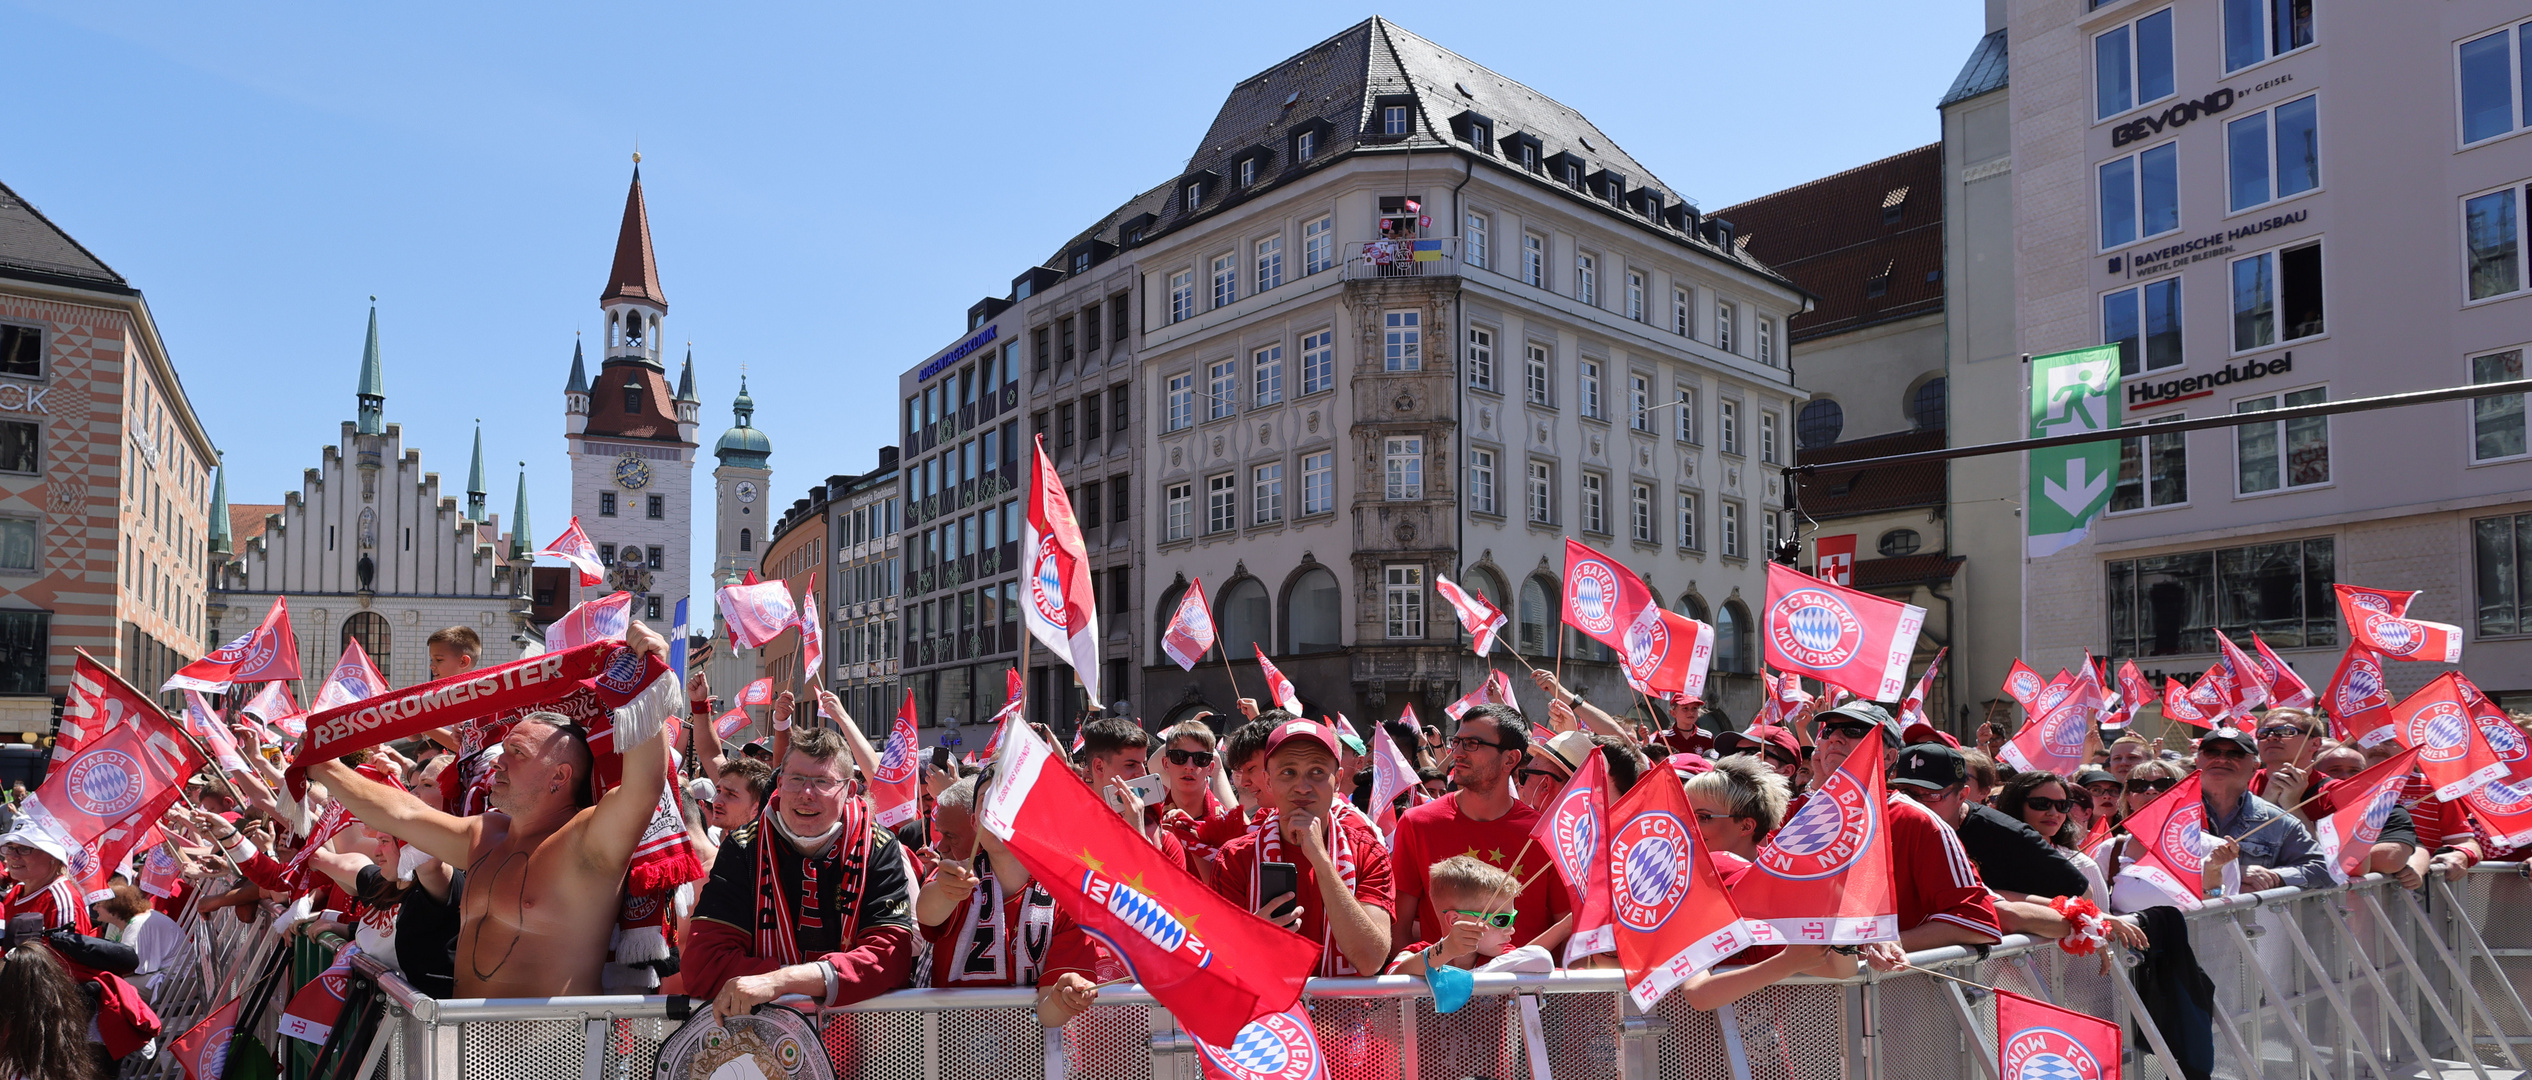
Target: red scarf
{"points": [[609, 670], [844, 861]]}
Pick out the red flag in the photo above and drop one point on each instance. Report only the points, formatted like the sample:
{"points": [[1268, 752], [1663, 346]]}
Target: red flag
{"points": [[2135, 692], [1912, 711], [2504, 810], [760, 692], [274, 706], [211, 734], [749, 578], [2215, 695], [2249, 679], [1672, 918], [1602, 598], [2356, 699], [160, 873], [812, 635], [2050, 695], [2177, 706], [2437, 722], [1145, 907], [1835, 556], [204, 1050], [1573, 831], [1190, 634], [267, 653], [1277, 686], [1667, 654], [1838, 635], [756, 612], [1014, 705], [609, 616], [729, 723], [2173, 829], [1496, 690], [109, 793], [2285, 688], [1477, 615], [2393, 635], [2023, 685], [893, 789], [2364, 801], [574, 547], [1055, 593], [354, 678], [1824, 878], [1392, 775], [2056, 740], [1276, 1046], [312, 1011], [2036, 1040]]}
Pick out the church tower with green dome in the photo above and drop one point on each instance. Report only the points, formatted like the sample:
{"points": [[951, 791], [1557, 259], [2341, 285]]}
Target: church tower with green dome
{"points": [[739, 492]]}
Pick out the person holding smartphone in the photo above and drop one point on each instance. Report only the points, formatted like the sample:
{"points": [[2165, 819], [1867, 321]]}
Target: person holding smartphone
{"points": [[1307, 868]]}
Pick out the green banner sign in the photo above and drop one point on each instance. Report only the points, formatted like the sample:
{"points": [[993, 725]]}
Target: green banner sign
{"points": [[2071, 393]]}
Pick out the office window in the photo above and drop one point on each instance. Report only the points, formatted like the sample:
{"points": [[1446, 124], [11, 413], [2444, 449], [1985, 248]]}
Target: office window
{"points": [[1266, 493], [1318, 243], [1223, 389], [1226, 280], [1221, 503], [2284, 454], [1270, 263], [1543, 492], [1393, 120], [1587, 280], [1731, 530], [2495, 263], [1182, 303], [1640, 511], [1534, 259], [655, 507], [1267, 371], [606, 503], [1481, 358], [1766, 436], [1318, 482], [1120, 502], [1639, 402], [1090, 418], [1635, 295], [1119, 319], [1595, 503], [1067, 333], [2273, 153], [1767, 342], [2277, 297], [1063, 436], [1685, 422], [606, 553], [1690, 537], [1728, 415], [2144, 322], [1120, 407], [1536, 382], [1402, 593], [1402, 466], [2132, 65], [2255, 30], [1769, 522], [1177, 507], [2140, 196], [1473, 242], [2173, 605], [1683, 316], [1179, 409], [2153, 470], [1402, 341], [654, 557], [1318, 361], [2501, 555], [1725, 316], [1090, 325], [2497, 423], [1481, 480], [1588, 402]]}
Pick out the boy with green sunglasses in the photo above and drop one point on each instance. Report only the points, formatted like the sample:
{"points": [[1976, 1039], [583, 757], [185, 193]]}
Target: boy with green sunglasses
{"points": [[1478, 898]]}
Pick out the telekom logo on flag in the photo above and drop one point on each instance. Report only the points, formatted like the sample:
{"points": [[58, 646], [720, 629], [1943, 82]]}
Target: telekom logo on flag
{"points": [[1668, 910], [1835, 557], [1667, 654], [1190, 633], [1055, 591], [354, 678], [1838, 635], [1277, 686], [756, 613], [892, 788], [574, 547], [268, 653], [1480, 617], [2374, 624], [1824, 877]]}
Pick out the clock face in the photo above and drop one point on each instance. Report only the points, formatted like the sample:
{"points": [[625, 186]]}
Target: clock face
{"points": [[747, 491], [632, 472]]}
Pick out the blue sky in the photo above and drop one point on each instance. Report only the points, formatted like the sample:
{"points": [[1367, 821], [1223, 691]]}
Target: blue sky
{"points": [[830, 185]]}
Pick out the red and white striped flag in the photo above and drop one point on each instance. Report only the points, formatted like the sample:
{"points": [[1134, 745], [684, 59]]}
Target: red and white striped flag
{"points": [[1056, 598], [1480, 617], [267, 653], [1912, 711], [1277, 686], [2250, 679], [574, 547], [1190, 634]]}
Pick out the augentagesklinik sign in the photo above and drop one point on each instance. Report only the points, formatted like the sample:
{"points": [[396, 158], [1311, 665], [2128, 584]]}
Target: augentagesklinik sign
{"points": [[964, 349], [2071, 393]]}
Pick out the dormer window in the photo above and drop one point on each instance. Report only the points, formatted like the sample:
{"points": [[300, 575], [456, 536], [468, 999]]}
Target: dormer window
{"points": [[1573, 175], [1081, 262], [1530, 157], [1306, 145], [633, 399], [1195, 197], [1248, 171], [1393, 120]]}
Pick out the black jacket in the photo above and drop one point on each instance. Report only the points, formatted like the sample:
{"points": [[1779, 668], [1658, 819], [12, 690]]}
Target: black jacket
{"points": [[2014, 857]]}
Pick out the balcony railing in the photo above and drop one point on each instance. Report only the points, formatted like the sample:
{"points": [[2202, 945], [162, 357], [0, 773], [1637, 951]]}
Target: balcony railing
{"points": [[1431, 257]]}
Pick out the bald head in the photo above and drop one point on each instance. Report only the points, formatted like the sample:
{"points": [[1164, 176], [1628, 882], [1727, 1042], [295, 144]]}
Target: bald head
{"points": [[545, 758]]}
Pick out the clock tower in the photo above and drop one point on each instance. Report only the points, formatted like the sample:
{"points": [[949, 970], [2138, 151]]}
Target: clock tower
{"points": [[631, 439], [739, 493]]}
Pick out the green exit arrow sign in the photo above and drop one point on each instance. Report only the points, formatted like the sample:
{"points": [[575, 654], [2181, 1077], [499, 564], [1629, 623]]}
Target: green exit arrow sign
{"points": [[2071, 393]]}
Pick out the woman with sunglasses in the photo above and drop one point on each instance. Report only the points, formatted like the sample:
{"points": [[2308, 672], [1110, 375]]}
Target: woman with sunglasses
{"points": [[2222, 869], [2046, 803]]}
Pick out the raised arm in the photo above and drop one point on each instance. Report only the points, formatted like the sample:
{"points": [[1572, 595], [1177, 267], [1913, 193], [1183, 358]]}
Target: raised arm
{"points": [[399, 814], [699, 704], [864, 758], [617, 822]]}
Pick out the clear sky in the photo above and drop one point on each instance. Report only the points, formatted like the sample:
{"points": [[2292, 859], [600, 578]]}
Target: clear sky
{"points": [[830, 185]]}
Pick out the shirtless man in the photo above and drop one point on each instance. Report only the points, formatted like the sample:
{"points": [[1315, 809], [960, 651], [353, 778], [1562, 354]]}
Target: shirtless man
{"points": [[542, 860]]}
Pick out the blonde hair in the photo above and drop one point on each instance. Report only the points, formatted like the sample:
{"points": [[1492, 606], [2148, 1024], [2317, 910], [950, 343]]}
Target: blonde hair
{"points": [[2302, 718], [1187, 729], [1748, 787], [1472, 877]]}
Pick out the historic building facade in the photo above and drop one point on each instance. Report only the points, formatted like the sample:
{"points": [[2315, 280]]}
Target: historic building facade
{"points": [[740, 525], [861, 596]]}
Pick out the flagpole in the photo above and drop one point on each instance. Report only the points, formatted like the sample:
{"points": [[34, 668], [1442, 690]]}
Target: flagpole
{"points": [[1227, 670]]}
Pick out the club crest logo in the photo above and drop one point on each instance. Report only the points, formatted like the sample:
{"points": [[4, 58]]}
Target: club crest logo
{"points": [[2503, 737], [1047, 595], [215, 1051], [896, 763], [1595, 597], [1274, 1047], [2068, 731], [2184, 840], [1814, 629], [2441, 732], [105, 783], [1649, 857], [771, 607], [2502, 798], [2371, 825], [1833, 830], [2044, 1053], [2050, 696], [2368, 601], [2026, 685], [248, 653], [623, 674], [2395, 636], [1647, 644], [640, 907], [1577, 828], [2363, 687]]}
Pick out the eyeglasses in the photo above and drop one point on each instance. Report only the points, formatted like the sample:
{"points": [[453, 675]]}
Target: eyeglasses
{"points": [[1500, 920], [2280, 731], [2050, 806], [1704, 816], [1527, 775], [1463, 742], [813, 785], [1202, 759], [2151, 787], [1851, 731]]}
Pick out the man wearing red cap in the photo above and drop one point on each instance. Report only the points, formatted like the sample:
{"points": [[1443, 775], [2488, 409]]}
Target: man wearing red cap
{"points": [[1771, 744], [1343, 893]]}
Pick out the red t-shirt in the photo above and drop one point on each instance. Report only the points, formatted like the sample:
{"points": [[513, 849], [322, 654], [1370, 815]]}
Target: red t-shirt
{"points": [[969, 962], [1189, 828], [62, 909], [1226, 825], [1435, 831], [1235, 869], [1684, 742], [1935, 878]]}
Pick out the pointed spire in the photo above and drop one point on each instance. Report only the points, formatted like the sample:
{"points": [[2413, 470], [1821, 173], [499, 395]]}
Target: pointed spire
{"points": [[636, 273], [579, 383], [221, 538], [743, 445], [372, 391], [520, 541], [475, 478], [686, 378]]}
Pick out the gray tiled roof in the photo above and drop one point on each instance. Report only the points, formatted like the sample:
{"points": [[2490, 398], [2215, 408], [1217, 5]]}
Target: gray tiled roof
{"points": [[1984, 72], [32, 247]]}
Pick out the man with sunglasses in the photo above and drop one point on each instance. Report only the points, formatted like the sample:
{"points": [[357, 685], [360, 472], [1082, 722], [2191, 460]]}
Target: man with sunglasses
{"points": [[2288, 740], [1186, 766], [1484, 820], [2272, 855], [1774, 745]]}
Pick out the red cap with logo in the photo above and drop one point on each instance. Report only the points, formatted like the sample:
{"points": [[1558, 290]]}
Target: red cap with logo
{"points": [[1318, 734]]}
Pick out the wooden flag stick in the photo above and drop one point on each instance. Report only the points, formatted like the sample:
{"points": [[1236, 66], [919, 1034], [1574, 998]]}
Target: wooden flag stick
{"points": [[1227, 670]]}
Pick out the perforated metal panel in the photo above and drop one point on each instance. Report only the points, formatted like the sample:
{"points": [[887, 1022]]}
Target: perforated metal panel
{"points": [[1482, 1039], [1111, 1043], [876, 1046], [522, 1049], [1582, 1033], [1361, 1038]]}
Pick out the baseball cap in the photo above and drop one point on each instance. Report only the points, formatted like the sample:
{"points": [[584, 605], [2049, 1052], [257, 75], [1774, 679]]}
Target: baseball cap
{"points": [[2228, 733], [1319, 735], [1919, 731], [1761, 735], [1687, 765], [2089, 777], [1865, 712], [1566, 750], [1930, 767], [26, 835]]}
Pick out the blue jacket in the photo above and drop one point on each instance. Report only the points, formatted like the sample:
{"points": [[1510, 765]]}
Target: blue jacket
{"points": [[2286, 847]]}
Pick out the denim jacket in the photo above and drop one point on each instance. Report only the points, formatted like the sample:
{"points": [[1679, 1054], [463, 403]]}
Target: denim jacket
{"points": [[2286, 847]]}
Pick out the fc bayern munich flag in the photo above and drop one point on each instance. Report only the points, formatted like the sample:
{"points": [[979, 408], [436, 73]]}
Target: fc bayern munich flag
{"points": [[2023, 685], [1838, 635], [2173, 831], [1190, 634], [1496, 690], [1277, 687], [574, 547], [268, 653], [1477, 615], [2358, 703], [212, 735], [1573, 830], [893, 790], [1277, 1046], [1671, 917], [1912, 710], [2178, 706], [2134, 692], [2504, 811], [204, 1050], [756, 613], [2250, 680], [1211, 962], [1602, 598], [2056, 741], [2371, 623], [729, 723], [812, 635], [2438, 723], [1824, 878], [274, 705], [2039, 1041], [354, 678], [1392, 774], [759, 692], [2364, 802], [609, 616], [118, 783], [1055, 593], [312, 1011], [2286, 689], [1667, 654]]}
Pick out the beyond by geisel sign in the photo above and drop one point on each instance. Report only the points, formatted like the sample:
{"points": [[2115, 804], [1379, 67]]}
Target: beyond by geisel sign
{"points": [[2179, 114]]}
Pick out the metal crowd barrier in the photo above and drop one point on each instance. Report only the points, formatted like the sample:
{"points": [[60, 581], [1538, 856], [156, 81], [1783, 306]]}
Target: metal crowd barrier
{"points": [[2364, 980], [222, 955]]}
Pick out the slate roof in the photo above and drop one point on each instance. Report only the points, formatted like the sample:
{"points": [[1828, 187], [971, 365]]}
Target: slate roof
{"points": [[1832, 491], [1832, 237], [32, 248], [1985, 72]]}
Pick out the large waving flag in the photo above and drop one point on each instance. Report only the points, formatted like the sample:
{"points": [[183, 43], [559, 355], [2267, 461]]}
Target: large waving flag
{"points": [[1190, 634], [1667, 654], [2039, 1041], [111, 792], [1392, 775], [204, 1050], [609, 616], [268, 653], [2056, 741], [756, 612], [1671, 916], [2438, 723], [2249, 678], [2364, 802], [2356, 699], [812, 635], [893, 791], [1574, 831], [1602, 598], [2372, 624], [1278, 687], [1277, 1046], [214, 737], [1477, 615], [574, 547], [1838, 635], [2177, 705], [354, 678], [2285, 688], [1055, 594], [1213, 964], [1824, 878], [2055, 692], [2173, 831]]}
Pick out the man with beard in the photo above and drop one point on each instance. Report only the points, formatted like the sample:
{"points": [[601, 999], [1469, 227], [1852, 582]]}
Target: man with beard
{"points": [[1483, 820]]}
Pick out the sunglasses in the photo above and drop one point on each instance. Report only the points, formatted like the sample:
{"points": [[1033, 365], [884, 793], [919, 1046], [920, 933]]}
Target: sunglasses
{"points": [[2222, 750], [1199, 758], [2151, 787], [1527, 775], [2280, 731], [1852, 731], [2053, 806], [1704, 816], [1500, 920]]}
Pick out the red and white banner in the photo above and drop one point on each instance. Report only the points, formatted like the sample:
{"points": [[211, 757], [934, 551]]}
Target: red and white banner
{"points": [[204, 1050], [1496, 690], [1834, 559], [1190, 634], [312, 1011], [2173, 829], [2358, 702], [2215, 694], [2392, 602], [2058, 739], [109, 793], [607, 617], [1838, 635], [1477, 615], [2178, 706], [1392, 774], [574, 547], [203, 723], [728, 724], [354, 678], [2052, 694], [2395, 636], [1055, 591], [1574, 830], [1278, 688], [1670, 914], [812, 635], [1912, 710], [2134, 691], [895, 788], [2039, 1041], [2023, 685], [2504, 811], [2438, 723], [2364, 802], [1667, 654], [2249, 679], [756, 612], [759, 692], [267, 653], [1602, 598], [1277, 1046], [1824, 877], [2285, 688], [274, 706]]}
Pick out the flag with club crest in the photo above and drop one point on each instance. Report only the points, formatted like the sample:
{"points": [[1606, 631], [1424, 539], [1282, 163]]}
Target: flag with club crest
{"points": [[1824, 877], [2439, 723], [1838, 635], [2173, 831], [728, 724], [2285, 688], [2056, 741], [111, 791], [2357, 700], [1602, 598], [274, 706], [574, 547], [1667, 654], [2023, 685], [203, 1050], [1477, 615], [312, 1011], [1392, 774], [2053, 693], [759, 692], [2134, 691], [267, 653], [1912, 710], [812, 635], [2249, 678], [1056, 600], [354, 678], [203, 723], [1781, 698], [1277, 1046], [1190, 634], [2178, 706], [894, 788], [756, 612], [609, 616], [2364, 801], [2371, 622], [1574, 830], [1669, 912], [1277, 687], [2215, 694], [2039, 1041]]}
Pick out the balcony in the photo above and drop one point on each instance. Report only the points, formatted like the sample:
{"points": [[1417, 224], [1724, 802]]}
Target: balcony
{"points": [[1429, 257]]}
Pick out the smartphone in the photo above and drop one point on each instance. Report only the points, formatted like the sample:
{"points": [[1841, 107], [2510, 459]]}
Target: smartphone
{"points": [[941, 760], [1152, 790], [1275, 879]]}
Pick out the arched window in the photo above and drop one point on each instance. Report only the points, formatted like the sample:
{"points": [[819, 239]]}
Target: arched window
{"points": [[1533, 617], [371, 630], [1695, 608], [1168, 606], [1315, 617], [1486, 583], [747, 540], [1245, 618], [1929, 403], [1731, 638], [1819, 423]]}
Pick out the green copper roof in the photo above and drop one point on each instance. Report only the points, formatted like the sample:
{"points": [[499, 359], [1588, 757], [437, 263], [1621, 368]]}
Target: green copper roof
{"points": [[221, 538], [743, 444], [372, 391], [520, 544]]}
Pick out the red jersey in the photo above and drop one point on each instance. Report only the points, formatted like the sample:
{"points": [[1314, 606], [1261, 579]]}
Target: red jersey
{"points": [[1189, 828], [1228, 823], [1235, 877], [62, 909], [1033, 942], [1934, 876], [1435, 831], [1683, 742]]}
